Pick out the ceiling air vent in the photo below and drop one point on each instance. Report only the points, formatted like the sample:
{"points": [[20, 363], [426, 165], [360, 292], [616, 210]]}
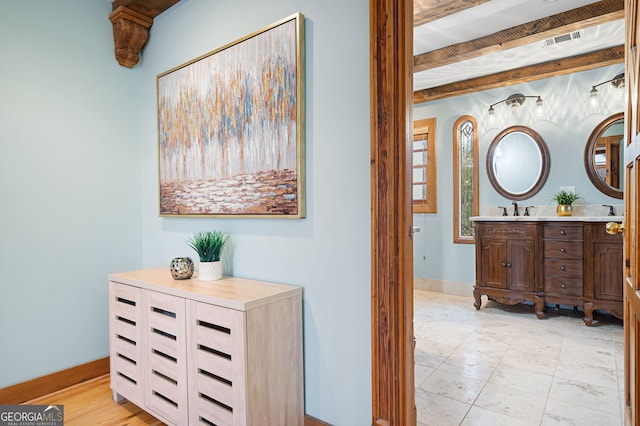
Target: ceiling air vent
{"points": [[562, 38]]}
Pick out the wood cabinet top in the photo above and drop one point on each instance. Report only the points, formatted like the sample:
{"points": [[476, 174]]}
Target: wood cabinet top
{"points": [[230, 292]]}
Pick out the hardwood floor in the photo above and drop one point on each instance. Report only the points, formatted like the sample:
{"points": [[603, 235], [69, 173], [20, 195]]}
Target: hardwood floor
{"points": [[91, 403]]}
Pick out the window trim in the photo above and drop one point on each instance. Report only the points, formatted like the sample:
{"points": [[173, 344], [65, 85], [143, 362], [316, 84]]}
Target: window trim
{"points": [[430, 204], [457, 238]]}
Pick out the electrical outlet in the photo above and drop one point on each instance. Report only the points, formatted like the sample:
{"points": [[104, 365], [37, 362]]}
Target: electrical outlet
{"points": [[568, 189]]}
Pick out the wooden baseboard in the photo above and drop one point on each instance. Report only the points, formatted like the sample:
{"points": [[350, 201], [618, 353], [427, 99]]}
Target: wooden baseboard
{"points": [[312, 421], [26, 391], [44, 385]]}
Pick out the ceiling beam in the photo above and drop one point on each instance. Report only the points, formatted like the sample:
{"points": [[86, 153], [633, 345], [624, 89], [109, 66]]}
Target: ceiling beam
{"points": [[587, 61], [425, 11], [149, 8], [531, 32]]}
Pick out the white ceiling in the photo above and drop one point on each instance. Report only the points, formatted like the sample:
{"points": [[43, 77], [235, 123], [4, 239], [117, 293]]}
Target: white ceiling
{"points": [[497, 15]]}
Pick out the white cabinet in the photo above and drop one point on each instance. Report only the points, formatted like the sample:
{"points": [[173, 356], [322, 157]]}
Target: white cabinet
{"points": [[227, 352]]}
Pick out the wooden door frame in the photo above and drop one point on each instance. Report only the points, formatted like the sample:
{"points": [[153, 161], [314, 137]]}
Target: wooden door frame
{"points": [[631, 217], [392, 342]]}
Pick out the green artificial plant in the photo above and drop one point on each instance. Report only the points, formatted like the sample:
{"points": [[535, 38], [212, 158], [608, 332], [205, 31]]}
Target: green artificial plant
{"points": [[565, 197], [208, 244]]}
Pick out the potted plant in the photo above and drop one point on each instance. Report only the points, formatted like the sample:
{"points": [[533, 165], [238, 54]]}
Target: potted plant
{"points": [[565, 200], [209, 246]]}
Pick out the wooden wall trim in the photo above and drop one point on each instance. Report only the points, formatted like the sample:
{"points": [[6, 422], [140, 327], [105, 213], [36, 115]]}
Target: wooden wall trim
{"points": [[44, 385], [40, 386], [312, 421], [391, 79]]}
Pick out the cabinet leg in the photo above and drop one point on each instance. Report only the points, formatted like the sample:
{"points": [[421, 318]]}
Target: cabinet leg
{"points": [[117, 397], [588, 313], [478, 298], [538, 303]]}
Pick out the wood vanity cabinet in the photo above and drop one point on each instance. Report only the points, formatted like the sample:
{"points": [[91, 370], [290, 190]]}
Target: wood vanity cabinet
{"points": [[563, 263], [508, 267], [557, 262], [604, 272], [193, 352]]}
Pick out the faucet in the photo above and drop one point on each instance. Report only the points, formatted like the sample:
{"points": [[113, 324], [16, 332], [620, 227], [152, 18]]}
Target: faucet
{"points": [[526, 210], [504, 210], [515, 208], [611, 212]]}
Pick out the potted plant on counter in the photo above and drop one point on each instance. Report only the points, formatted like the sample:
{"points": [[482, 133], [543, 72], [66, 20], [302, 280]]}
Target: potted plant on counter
{"points": [[565, 200], [209, 246]]}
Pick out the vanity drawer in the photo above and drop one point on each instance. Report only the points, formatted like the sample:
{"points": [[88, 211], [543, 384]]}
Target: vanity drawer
{"points": [[564, 232], [515, 230], [563, 285], [564, 267], [563, 249]]}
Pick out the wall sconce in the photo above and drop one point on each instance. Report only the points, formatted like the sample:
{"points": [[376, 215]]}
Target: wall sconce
{"points": [[617, 82], [514, 101]]}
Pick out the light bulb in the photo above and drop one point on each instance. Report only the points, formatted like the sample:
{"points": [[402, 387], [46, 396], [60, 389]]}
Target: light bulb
{"points": [[593, 97]]}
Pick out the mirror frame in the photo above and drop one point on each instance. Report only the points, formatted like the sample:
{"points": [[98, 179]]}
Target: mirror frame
{"points": [[544, 171], [589, 152]]}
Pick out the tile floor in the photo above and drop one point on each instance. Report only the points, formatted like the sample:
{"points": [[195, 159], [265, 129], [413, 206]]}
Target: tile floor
{"points": [[502, 366]]}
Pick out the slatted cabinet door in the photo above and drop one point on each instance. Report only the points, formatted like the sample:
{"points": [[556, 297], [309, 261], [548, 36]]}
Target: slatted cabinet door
{"points": [[166, 391], [216, 353], [126, 342]]}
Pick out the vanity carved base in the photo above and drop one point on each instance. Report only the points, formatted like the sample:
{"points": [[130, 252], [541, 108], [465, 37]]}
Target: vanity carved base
{"points": [[508, 297], [569, 263], [611, 308]]}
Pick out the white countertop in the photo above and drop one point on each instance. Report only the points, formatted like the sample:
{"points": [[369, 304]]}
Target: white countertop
{"points": [[547, 218], [547, 213]]}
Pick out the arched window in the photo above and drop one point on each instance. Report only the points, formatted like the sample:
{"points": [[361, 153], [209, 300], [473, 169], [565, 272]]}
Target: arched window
{"points": [[465, 178]]}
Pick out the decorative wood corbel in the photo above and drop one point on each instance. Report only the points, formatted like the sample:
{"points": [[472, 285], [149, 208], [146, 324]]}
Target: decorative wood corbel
{"points": [[130, 33]]}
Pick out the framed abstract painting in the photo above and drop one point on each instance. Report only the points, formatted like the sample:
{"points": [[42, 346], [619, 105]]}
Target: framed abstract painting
{"points": [[231, 128]]}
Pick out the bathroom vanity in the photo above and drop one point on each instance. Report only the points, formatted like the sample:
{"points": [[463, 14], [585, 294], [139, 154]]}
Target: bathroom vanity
{"points": [[550, 260]]}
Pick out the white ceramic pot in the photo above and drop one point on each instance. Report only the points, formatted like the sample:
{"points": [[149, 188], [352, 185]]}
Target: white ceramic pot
{"points": [[210, 271]]}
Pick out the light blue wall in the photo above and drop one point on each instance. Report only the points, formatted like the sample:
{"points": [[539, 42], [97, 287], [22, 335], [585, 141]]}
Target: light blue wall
{"points": [[70, 183], [567, 122], [328, 252]]}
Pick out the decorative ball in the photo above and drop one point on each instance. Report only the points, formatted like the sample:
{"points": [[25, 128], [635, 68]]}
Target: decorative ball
{"points": [[181, 268]]}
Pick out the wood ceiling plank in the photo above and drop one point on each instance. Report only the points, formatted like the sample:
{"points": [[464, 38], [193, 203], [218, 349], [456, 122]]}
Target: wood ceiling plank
{"points": [[425, 11], [531, 32], [597, 59]]}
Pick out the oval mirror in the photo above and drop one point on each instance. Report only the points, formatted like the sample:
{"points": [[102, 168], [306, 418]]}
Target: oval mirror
{"points": [[603, 156], [518, 163]]}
